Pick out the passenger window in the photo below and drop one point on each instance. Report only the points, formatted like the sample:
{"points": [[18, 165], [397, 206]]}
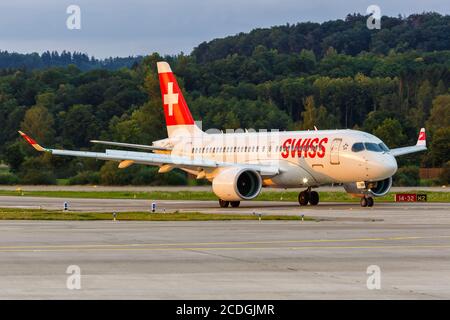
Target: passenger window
{"points": [[357, 147]]}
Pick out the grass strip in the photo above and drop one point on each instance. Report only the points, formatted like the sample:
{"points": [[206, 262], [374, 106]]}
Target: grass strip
{"points": [[39, 214]]}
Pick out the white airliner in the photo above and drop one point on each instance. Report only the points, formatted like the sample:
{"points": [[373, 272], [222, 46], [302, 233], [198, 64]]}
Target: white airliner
{"points": [[239, 164]]}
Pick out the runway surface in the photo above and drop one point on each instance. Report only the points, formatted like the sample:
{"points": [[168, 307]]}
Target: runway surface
{"points": [[329, 259]]}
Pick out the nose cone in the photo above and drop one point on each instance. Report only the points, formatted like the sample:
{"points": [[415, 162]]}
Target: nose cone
{"points": [[384, 167], [390, 166]]}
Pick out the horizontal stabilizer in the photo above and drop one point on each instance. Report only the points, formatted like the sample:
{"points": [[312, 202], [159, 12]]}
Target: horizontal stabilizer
{"points": [[421, 145]]}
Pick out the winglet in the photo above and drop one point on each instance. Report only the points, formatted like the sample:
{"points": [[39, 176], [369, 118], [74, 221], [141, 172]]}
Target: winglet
{"points": [[33, 143], [422, 140]]}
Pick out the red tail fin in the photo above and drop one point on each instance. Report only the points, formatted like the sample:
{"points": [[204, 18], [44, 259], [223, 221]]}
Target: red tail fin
{"points": [[176, 109]]}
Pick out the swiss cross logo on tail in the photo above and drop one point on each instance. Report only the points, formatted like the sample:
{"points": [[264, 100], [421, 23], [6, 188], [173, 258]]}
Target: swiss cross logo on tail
{"points": [[170, 98], [422, 140], [422, 135], [176, 111]]}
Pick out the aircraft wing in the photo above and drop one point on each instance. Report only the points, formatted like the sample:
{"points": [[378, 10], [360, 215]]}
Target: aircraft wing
{"points": [[126, 158], [421, 145]]}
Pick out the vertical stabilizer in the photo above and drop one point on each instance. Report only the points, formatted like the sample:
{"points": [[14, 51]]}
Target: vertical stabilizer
{"points": [[179, 119]]}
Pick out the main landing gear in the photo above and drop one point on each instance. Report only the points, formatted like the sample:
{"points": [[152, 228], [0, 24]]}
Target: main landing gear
{"points": [[225, 204], [366, 202], [308, 196]]}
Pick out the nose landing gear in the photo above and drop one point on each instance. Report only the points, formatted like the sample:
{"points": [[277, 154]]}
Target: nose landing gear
{"points": [[366, 202], [308, 196]]}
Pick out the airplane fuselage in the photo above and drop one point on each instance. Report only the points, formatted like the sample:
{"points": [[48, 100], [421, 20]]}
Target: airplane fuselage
{"points": [[305, 158]]}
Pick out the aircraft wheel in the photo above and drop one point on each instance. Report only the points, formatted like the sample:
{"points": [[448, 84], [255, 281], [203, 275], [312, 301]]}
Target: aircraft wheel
{"points": [[370, 202], [303, 198], [364, 202], [223, 203], [313, 198], [235, 204]]}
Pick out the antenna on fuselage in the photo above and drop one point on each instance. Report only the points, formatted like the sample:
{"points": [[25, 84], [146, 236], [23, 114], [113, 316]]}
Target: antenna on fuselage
{"points": [[315, 128]]}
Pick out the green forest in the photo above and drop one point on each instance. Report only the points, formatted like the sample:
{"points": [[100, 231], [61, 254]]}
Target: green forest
{"points": [[336, 74]]}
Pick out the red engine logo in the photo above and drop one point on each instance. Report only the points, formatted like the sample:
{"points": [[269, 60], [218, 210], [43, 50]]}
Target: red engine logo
{"points": [[308, 147]]}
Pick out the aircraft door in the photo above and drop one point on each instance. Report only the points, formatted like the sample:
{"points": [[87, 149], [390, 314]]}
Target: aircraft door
{"points": [[334, 152]]}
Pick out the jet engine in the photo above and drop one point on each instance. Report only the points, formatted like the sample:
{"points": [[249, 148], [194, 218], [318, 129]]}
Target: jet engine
{"points": [[235, 184], [372, 188]]}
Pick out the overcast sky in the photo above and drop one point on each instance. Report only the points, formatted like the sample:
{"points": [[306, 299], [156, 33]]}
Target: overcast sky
{"points": [[139, 27]]}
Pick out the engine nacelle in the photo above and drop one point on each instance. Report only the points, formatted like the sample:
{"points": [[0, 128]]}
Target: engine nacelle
{"points": [[376, 188], [235, 184]]}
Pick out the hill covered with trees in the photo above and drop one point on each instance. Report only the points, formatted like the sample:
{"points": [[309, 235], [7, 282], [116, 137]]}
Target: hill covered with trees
{"points": [[424, 32], [337, 74], [14, 60]]}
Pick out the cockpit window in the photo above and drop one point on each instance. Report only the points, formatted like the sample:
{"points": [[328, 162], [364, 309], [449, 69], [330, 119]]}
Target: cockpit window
{"points": [[373, 147], [383, 147], [357, 147]]}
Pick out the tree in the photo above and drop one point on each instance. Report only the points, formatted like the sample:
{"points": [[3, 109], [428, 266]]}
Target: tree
{"points": [[391, 132], [310, 114], [407, 176], [425, 97], [324, 120], [37, 170], [79, 126], [375, 118], [440, 146], [38, 123], [441, 88], [46, 100], [14, 156], [440, 113], [145, 125]]}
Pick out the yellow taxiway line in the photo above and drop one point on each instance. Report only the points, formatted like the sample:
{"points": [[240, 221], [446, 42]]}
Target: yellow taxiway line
{"points": [[234, 244]]}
